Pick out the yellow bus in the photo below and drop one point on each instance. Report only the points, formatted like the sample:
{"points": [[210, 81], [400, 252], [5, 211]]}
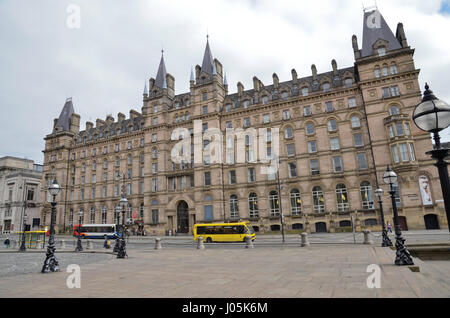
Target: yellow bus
{"points": [[223, 232], [32, 238]]}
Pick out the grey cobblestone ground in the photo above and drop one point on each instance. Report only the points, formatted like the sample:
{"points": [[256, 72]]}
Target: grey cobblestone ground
{"points": [[13, 264]]}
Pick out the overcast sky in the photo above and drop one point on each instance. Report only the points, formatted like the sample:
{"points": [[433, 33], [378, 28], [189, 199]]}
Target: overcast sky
{"points": [[105, 62]]}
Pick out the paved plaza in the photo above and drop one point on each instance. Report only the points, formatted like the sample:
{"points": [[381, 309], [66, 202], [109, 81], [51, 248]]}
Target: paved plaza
{"points": [[224, 271]]}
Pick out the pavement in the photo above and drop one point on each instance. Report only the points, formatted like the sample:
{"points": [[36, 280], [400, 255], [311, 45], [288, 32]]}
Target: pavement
{"points": [[289, 271]]}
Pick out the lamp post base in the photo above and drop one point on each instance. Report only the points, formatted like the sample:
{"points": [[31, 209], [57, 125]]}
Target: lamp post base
{"points": [[386, 240], [51, 263], [402, 256], [122, 253]]}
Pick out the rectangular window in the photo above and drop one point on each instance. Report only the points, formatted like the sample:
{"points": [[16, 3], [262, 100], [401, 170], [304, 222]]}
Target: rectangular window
{"points": [[362, 161], [307, 111], [312, 147], [208, 209], [395, 91], [329, 107], [352, 102], [400, 131], [411, 152], [154, 185], [155, 167], [154, 137], [155, 217], [358, 138], [207, 178], [391, 131], [105, 192], [251, 175], [404, 152], [334, 142], [247, 122], [395, 154], [286, 115], [204, 110], [266, 119], [386, 92], [337, 164], [232, 177], [94, 178], [204, 96], [290, 150], [314, 165], [292, 170]]}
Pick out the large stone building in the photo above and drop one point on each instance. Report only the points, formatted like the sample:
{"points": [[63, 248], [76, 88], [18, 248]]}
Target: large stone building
{"points": [[339, 130], [20, 189]]}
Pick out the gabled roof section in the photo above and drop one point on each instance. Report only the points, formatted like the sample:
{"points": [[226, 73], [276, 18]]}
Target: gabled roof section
{"points": [[375, 28], [208, 65], [161, 75], [65, 117]]}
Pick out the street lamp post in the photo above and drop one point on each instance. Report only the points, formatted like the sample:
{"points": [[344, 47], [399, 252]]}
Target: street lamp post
{"points": [[279, 198], [433, 115], [117, 217], [79, 247], [122, 253], [23, 248], [386, 241], [403, 257], [51, 263]]}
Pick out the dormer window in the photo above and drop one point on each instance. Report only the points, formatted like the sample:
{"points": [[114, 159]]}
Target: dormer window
{"points": [[348, 82], [326, 87], [265, 100], [381, 51], [305, 91], [284, 95]]}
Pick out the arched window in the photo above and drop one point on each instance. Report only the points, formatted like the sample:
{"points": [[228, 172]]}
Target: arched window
{"points": [[366, 196], [332, 126], [265, 100], [385, 70], [342, 198], [234, 207], [394, 69], [253, 205], [394, 110], [319, 201], [274, 203], [305, 91], [288, 133], [377, 72], [92, 215], [356, 123], [296, 202], [104, 214]]}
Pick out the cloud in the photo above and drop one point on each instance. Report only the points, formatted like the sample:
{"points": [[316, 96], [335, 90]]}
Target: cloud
{"points": [[105, 63]]}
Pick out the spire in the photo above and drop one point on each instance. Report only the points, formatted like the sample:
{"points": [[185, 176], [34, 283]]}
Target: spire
{"points": [[376, 29], [161, 75], [145, 89], [208, 64], [225, 82], [192, 75], [65, 117]]}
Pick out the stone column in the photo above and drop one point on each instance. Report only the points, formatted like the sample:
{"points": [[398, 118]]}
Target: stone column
{"points": [[200, 245], [305, 241], [158, 244], [367, 239]]}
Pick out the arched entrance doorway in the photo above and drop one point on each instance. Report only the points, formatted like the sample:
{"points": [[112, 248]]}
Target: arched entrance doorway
{"points": [[321, 227], [431, 222], [182, 217]]}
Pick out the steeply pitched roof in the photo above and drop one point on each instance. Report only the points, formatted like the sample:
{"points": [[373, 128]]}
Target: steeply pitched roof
{"points": [[161, 75], [208, 65], [374, 28], [66, 115]]}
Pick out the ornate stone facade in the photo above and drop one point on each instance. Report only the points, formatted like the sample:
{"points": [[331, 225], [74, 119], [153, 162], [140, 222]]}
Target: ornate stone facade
{"points": [[338, 132]]}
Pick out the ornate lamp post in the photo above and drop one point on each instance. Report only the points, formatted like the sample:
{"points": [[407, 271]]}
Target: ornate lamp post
{"points": [[386, 241], [117, 218], [122, 253], [403, 257], [79, 247], [51, 263], [23, 248], [433, 115]]}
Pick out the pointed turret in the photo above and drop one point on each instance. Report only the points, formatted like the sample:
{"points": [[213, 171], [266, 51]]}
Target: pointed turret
{"points": [[65, 117], [145, 90], [377, 35], [208, 65], [161, 75]]}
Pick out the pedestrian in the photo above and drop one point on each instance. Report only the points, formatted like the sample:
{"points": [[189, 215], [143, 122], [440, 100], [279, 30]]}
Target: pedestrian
{"points": [[107, 243], [7, 242], [389, 227]]}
